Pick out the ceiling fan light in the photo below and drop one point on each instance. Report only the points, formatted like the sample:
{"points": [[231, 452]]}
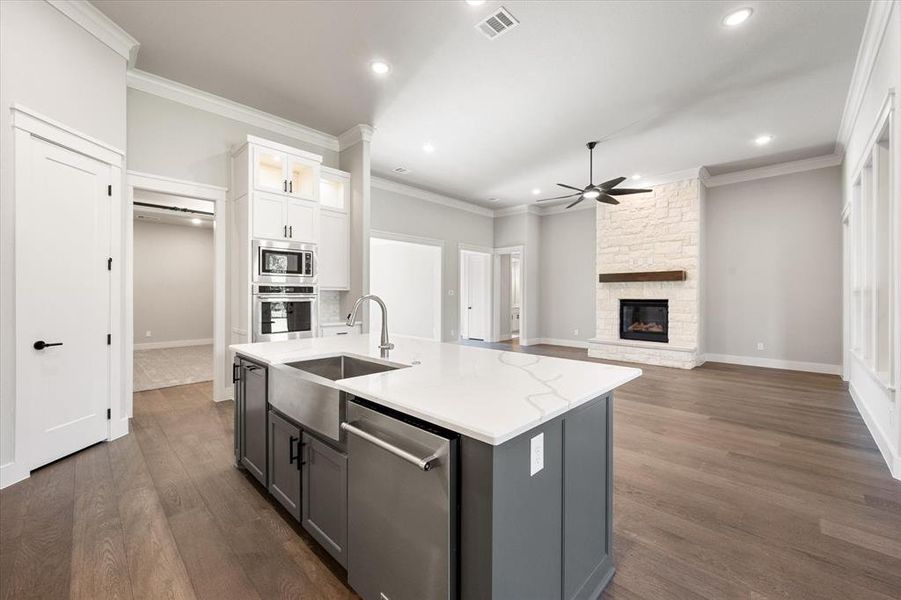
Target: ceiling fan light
{"points": [[592, 194]]}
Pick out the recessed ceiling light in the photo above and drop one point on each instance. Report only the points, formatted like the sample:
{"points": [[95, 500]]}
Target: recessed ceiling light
{"points": [[763, 140], [428, 148], [475, 2], [536, 191], [379, 67], [636, 176], [736, 18], [196, 221]]}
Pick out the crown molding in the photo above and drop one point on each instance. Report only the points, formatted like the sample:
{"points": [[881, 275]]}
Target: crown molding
{"points": [[355, 135], [414, 192], [178, 92], [873, 34], [92, 20], [786, 168], [672, 177]]}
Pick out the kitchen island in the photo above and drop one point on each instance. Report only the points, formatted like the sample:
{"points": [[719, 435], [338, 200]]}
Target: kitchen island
{"points": [[441, 470]]}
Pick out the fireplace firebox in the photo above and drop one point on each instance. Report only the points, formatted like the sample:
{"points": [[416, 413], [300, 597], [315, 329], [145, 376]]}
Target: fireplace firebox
{"points": [[646, 320]]}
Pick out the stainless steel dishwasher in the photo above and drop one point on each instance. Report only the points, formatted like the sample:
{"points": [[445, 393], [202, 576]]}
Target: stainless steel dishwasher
{"points": [[401, 507]]}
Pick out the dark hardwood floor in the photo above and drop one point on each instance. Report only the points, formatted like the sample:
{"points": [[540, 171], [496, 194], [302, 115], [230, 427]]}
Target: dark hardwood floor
{"points": [[730, 482]]}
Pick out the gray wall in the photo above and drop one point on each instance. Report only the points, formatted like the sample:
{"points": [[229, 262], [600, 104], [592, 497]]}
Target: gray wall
{"points": [[175, 140], [773, 268], [567, 275], [397, 213], [50, 65], [173, 282]]}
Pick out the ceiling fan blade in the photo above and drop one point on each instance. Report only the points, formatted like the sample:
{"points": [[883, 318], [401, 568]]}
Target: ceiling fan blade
{"points": [[607, 199], [576, 202], [558, 197], [612, 183], [569, 187], [624, 191]]}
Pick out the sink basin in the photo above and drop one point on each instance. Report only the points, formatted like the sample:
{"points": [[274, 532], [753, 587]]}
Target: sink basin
{"points": [[301, 390], [341, 367]]}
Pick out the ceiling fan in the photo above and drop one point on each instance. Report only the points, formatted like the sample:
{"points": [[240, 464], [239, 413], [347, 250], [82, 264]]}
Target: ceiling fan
{"points": [[602, 192]]}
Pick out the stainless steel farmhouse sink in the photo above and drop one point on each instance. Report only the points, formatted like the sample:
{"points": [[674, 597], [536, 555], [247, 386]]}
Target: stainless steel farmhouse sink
{"points": [[301, 390]]}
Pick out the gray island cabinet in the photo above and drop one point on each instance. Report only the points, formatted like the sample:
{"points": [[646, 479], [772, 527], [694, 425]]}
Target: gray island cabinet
{"points": [[442, 471]]}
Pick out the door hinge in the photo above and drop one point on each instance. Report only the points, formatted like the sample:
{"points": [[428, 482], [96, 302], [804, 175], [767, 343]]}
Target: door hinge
{"points": [[109, 264], [109, 339], [109, 190], [109, 414]]}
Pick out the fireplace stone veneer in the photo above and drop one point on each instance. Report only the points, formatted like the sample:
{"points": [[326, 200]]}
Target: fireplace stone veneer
{"points": [[658, 231]]}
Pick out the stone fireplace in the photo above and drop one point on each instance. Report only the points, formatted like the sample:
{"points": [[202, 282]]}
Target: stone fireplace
{"points": [[649, 321]]}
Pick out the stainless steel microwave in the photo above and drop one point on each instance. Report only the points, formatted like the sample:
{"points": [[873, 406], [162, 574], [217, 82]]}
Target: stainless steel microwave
{"points": [[284, 262]]}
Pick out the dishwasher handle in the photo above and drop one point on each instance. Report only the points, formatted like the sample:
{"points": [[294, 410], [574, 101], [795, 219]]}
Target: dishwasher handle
{"points": [[421, 463]]}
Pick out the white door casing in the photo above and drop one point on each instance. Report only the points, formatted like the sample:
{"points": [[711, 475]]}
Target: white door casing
{"points": [[63, 235]]}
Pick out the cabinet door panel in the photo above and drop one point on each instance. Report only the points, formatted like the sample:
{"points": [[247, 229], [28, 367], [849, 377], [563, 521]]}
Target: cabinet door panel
{"points": [[325, 496], [269, 218], [253, 440], [284, 463], [303, 221], [303, 178], [269, 170], [334, 251], [586, 496]]}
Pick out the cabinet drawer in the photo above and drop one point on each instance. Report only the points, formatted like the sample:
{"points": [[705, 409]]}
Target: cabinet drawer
{"points": [[339, 329]]}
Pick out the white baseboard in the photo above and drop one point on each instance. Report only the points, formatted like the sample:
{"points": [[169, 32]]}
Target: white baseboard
{"points": [[563, 342], [118, 428], [174, 344], [775, 363], [11, 473], [892, 457]]}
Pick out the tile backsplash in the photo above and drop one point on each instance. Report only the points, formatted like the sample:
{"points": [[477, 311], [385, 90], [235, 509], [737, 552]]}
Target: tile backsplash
{"points": [[330, 307]]}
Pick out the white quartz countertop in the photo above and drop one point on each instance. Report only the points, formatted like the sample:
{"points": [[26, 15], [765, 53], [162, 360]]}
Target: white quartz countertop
{"points": [[489, 395]]}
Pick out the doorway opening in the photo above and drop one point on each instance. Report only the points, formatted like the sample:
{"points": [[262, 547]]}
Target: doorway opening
{"points": [[509, 288], [475, 295], [173, 270], [406, 272]]}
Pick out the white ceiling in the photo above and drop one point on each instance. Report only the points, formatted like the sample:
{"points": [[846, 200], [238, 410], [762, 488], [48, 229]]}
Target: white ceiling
{"points": [[674, 87]]}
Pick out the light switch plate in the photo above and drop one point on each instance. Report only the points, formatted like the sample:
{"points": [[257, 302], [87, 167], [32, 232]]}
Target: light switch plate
{"points": [[536, 454]]}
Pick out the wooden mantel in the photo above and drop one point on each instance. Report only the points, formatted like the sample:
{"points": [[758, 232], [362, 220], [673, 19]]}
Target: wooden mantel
{"points": [[642, 276]]}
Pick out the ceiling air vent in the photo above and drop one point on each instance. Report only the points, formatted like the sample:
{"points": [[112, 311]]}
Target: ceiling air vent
{"points": [[401, 170], [147, 218], [497, 23]]}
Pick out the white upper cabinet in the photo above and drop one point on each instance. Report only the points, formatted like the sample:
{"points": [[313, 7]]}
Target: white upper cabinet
{"points": [[302, 218], [334, 251], [286, 171], [270, 169], [270, 216], [334, 189]]}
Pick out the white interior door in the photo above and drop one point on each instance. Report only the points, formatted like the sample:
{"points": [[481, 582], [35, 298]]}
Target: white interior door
{"points": [[477, 295], [63, 297]]}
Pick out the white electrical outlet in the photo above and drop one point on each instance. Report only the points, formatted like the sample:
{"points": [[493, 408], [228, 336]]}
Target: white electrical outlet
{"points": [[147, 334], [450, 292], [760, 345], [575, 332], [536, 454]]}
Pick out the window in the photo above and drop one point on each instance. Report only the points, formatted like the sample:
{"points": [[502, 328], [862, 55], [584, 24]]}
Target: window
{"points": [[871, 250]]}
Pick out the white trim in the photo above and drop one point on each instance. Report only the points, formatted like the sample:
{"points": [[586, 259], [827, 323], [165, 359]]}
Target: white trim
{"points": [[355, 135], [873, 34], [258, 141], [218, 195], [92, 20], [403, 237], [786, 168], [519, 209], [776, 363], [496, 316], [643, 344], [62, 135], [408, 190], [173, 344], [892, 458], [672, 177], [561, 208], [882, 118], [12, 472], [563, 342], [178, 92]]}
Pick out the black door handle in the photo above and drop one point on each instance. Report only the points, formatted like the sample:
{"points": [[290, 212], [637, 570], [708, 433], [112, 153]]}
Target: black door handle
{"points": [[41, 344]]}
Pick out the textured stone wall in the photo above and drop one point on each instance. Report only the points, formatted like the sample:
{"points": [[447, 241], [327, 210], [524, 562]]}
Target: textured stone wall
{"points": [[659, 231]]}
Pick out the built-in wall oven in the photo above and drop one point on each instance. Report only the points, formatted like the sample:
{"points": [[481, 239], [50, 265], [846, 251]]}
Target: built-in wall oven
{"points": [[284, 312], [286, 263]]}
